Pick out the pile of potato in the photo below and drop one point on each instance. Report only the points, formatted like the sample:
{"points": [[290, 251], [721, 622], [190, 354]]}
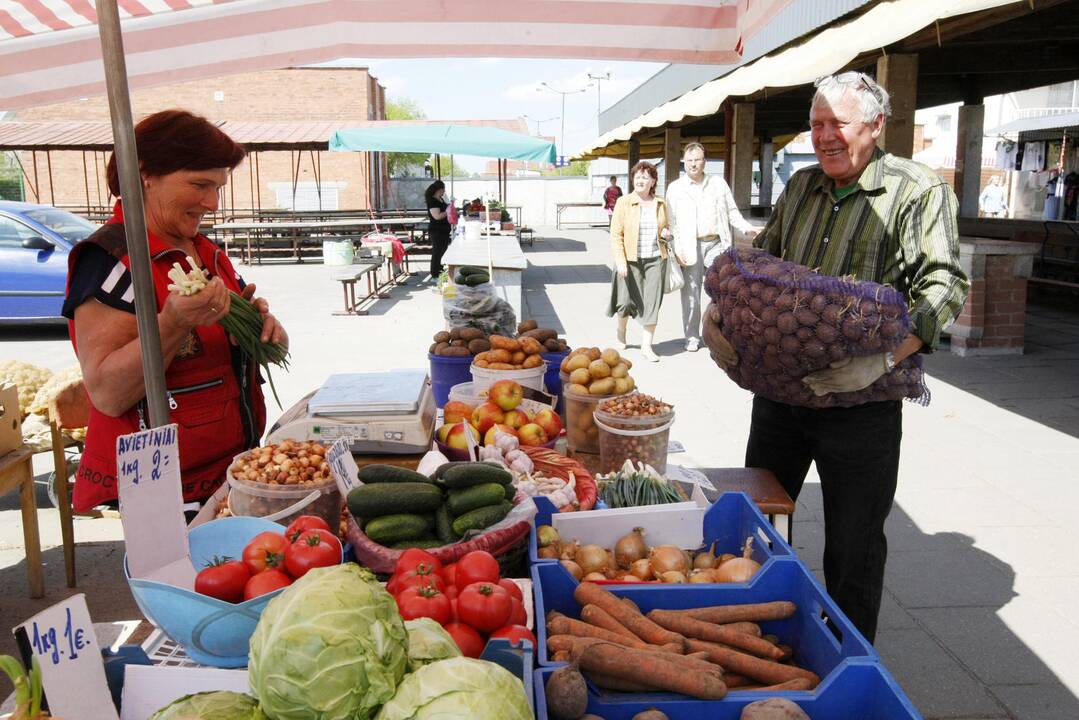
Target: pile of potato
{"points": [[595, 372], [466, 341]]}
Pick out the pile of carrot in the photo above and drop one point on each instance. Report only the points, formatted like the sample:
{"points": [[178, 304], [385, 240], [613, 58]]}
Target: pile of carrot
{"points": [[703, 652]]}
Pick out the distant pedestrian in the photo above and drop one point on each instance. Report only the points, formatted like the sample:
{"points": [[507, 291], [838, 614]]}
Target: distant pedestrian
{"points": [[992, 202], [610, 197], [438, 225]]}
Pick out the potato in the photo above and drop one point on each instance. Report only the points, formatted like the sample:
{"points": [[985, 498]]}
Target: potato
{"points": [[532, 361], [518, 357], [459, 343], [478, 345], [526, 325], [628, 362], [610, 356], [593, 353], [585, 421], [599, 369], [442, 336], [439, 347], [620, 370], [499, 356], [455, 333], [541, 334], [456, 351], [578, 361], [581, 376], [773, 709], [531, 346], [564, 366], [470, 333], [431, 349], [651, 714], [604, 386], [623, 385], [552, 345], [578, 389]]}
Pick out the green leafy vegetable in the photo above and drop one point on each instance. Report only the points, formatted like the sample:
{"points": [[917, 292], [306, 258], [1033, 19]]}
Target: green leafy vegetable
{"points": [[218, 705], [631, 486], [428, 642], [459, 688]]}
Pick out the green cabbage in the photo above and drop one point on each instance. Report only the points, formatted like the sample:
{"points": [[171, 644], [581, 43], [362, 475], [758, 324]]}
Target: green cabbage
{"points": [[219, 705], [332, 646], [428, 642], [459, 688]]}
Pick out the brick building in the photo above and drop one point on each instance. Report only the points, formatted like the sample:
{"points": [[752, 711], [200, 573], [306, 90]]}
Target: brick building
{"points": [[296, 95]]}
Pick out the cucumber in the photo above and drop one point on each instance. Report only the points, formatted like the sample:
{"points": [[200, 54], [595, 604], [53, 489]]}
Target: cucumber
{"points": [[474, 280], [389, 529], [441, 471], [481, 517], [422, 544], [370, 501], [477, 473], [471, 270], [511, 492], [461, 501], [444, 526], [377, 473]]}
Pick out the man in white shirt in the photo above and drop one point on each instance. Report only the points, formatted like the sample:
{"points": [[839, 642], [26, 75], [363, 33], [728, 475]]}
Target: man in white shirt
{"points": [[702, 213]]}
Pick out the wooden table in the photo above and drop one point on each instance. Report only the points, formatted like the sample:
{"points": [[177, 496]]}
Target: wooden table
{"points": [[16, 472], [762, 486], [253, 234]]}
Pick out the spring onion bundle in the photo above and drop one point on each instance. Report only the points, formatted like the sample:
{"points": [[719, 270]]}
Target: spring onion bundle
{"points": [[243, 322], [631, 486]]}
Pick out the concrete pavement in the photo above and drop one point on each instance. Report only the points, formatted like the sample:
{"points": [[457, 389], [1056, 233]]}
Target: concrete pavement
{"points": [[977, 619]]}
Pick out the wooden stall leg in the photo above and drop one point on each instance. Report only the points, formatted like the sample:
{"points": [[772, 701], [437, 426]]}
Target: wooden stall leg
{"points": [[31, 539], [63, 499]]}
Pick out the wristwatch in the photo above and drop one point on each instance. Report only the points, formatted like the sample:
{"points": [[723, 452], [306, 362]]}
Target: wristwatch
{"points": [[889, 362]]}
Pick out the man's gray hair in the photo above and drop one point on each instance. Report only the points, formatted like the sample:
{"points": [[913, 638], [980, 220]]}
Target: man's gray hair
{"points": [[872, 98], [693, 146]]}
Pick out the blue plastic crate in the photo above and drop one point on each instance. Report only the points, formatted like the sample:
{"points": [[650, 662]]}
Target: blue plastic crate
{"points": [[515, 658], [855, 691], [728, 522], [815, 646]]}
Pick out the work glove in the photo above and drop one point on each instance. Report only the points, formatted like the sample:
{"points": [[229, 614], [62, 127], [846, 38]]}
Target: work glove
{"points": [[723, 353], [848, 375]]}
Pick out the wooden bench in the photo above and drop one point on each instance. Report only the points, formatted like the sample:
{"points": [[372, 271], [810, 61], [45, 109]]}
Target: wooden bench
{"points": [[763, 488], [348, 277], [1057, 263]]}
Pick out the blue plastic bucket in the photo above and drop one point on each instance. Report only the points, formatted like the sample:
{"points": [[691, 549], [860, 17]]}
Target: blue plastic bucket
{"points": [[447, 372], [552, 380]]}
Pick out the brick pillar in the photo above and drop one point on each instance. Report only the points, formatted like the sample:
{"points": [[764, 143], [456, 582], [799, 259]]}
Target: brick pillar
{"points": [[993, 319]]}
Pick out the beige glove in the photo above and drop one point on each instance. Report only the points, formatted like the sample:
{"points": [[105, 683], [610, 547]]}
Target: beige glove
{"points": [[848, 375], [723, 353]]}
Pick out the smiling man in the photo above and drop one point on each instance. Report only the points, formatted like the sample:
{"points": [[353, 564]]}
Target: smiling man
{"points": [[871, 215]]}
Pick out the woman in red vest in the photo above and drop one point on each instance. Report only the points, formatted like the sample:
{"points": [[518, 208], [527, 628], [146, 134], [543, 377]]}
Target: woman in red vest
{"points": [[213, 389]]}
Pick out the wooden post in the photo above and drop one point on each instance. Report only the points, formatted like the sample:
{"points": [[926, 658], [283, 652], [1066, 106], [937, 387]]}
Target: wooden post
{"points": [[968, 158], [742, 154], [767, 156], [634, 158], [672, 155], [899, 76]]}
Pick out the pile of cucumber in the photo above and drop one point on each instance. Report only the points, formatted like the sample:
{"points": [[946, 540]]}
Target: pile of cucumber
{"points": [[400, 508], [471, 276]]}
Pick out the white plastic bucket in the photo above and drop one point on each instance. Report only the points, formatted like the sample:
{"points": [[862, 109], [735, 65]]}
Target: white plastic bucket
{"points": [[473, 230], [483, 378], [646, 444], [337, 252]]}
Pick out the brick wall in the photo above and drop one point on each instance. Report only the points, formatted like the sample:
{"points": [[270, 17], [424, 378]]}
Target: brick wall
{"points": [[993, 319], [290, 95]]}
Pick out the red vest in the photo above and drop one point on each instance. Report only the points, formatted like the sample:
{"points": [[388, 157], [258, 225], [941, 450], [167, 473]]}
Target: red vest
{"points": [[214, 393]]}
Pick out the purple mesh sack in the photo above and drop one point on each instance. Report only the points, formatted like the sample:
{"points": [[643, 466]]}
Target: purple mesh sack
{"points": [[787, 321]]}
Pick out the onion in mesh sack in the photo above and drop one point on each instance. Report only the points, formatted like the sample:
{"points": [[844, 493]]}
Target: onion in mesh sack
{"points": [[786, 321]]}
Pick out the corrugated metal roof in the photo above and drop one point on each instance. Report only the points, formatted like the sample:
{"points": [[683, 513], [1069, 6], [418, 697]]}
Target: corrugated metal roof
{"points": [[1050, 123], [75, 135]]}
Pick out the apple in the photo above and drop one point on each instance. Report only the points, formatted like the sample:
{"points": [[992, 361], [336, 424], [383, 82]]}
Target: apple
{"points": [[456, 411], [516, 418], [443, 431], [486, 415], [549, 421], [461, 435], [489, 436], [531, 435], [506, 394]]}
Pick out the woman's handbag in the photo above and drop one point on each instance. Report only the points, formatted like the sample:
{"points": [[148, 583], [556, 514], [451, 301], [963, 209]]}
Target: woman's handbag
{"points": [[673, 280]]}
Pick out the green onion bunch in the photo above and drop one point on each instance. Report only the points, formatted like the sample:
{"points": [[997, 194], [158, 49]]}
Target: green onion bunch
{"points": [[641, 485]]}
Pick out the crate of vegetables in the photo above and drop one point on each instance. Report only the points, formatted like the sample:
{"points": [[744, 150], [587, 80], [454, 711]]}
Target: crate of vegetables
{"points": [[727, 542], [856, 690]]}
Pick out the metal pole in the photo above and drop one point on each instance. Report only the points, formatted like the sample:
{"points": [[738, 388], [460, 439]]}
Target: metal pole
{"points": [[562, 137], [138, 250]]}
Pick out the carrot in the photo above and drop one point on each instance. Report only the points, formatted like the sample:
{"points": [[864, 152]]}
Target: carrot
{"points": [[576, 645], [647, 668], [795, 684], [752, 667], [561, 656], [787, 650], [608, 682], [563, 625], [632, 604], [754, 612], [690, 627], [595, 615], [588, 593], [744, 627], [734, 680]]}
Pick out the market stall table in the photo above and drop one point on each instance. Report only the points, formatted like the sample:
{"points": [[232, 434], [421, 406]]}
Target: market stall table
{"points": [[506, 258], [252, 236], [761, 485], [16, 472]]}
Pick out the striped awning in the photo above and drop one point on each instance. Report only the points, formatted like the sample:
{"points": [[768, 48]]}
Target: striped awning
{"points": [[50, 52]]}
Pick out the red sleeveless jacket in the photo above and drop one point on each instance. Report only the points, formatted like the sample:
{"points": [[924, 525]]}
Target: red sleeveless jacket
{"points": [[214, 393]]}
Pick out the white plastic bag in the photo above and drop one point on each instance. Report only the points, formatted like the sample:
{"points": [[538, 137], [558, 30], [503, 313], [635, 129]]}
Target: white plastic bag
{"points": [[674, 280]]}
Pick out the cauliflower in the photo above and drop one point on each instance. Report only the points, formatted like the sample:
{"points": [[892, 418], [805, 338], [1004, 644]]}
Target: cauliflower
{"points": [[27, 377]]}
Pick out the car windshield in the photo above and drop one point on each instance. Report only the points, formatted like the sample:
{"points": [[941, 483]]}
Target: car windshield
{"points": [[68, 226]]}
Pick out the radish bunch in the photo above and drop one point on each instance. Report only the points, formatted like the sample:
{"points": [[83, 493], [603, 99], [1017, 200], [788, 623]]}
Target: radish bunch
{"points": [[787, 321]]}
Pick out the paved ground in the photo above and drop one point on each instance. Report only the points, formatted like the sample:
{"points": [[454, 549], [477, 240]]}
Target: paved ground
{"points": [[978, 618]]}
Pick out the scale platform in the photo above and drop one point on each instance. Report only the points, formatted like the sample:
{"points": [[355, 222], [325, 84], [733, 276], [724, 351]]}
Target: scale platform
{"points": [[384, 412]]}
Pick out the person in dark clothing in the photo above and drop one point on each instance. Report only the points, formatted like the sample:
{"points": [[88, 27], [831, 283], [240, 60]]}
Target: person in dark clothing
{"points": [[610, 197], [438, 227]]}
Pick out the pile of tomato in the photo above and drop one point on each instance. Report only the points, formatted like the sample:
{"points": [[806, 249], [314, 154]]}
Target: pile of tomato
{"points": [[270, 561], [469, 598]]}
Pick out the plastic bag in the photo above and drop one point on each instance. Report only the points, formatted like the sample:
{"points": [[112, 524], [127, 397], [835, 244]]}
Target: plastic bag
{"points": [[479, 307], [675, 281]]}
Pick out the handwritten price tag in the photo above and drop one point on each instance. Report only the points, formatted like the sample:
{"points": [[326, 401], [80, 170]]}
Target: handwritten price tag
{"points": [[151, 502], [343, 466], [62, 639]]}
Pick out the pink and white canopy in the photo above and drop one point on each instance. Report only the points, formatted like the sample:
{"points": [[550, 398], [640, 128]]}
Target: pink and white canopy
{"points": [[50, 52]]}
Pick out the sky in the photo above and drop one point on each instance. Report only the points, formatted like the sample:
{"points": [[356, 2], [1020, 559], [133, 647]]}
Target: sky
{"points": [[494, 88]]}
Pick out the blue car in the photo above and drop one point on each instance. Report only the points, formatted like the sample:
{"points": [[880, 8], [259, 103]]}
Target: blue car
{"points": [[34, 244]]}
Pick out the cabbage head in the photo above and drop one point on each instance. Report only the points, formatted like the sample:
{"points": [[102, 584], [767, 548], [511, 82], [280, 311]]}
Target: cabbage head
{"points": [[460, 688], [218, 705], [428, 642], [332, 646]]}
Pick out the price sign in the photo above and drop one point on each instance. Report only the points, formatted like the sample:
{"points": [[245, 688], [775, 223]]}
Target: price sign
{"points": [[62, 640], [343, 466], [151, 506]]}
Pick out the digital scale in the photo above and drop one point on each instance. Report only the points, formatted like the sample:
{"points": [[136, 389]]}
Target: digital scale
{"points": [[384, 412]]}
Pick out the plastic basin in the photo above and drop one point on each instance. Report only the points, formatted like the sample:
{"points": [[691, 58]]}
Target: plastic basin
{"points": [[640, 439]]}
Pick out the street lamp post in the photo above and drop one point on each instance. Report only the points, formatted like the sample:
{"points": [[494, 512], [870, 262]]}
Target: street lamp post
{"points": [[563, 93], [599, 91]]}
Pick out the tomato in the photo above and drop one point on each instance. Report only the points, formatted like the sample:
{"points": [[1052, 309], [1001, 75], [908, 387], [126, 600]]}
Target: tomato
{"points": [[419, 576], [515, 633], [414, 556], [512, 588], [265, 582], [449, 574], [484, 606], [518, 616], [303, 523], [266, 551], [469, 642], [423, 601], [223, 579], [453, 609], [312, 549], [476, 566], [451, 590]]}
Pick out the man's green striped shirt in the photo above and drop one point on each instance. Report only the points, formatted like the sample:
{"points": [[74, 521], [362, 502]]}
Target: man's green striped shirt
{"points": [[898, 227]]}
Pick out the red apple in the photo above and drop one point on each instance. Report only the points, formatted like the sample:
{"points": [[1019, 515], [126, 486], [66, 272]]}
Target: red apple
{"points": [[549, 421], [443, 431], [506, 394], [489, 437], [487, 415], [460, 435], [531, 434], [516, 418], [456, 411]]}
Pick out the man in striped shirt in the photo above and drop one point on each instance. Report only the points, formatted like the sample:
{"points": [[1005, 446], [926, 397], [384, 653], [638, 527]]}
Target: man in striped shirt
{"points": [[878, 217]]}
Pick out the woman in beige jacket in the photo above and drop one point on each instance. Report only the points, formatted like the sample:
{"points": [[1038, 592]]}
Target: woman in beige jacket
{"points": [[638, 241]]}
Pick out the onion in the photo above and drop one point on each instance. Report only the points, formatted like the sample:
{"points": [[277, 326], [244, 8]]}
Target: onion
{"points": [[642, 568], [740, 569], [592, 577], [548, 553], [573, 568], [546, 535], [672, 577], [592, 559], [630, 548], [724, 558], [668, 558], [630, 578], [705, 558], [702, 576], [569, 552]]}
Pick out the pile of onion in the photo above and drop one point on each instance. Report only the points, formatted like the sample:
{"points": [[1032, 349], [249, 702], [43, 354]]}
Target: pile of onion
{"points": [[737, 569]]}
